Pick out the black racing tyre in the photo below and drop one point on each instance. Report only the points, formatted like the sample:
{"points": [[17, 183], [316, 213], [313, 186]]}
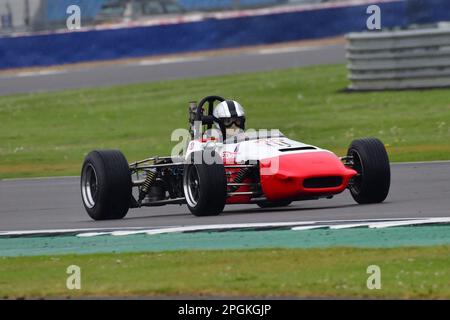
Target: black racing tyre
{"points": [[371, 161], [274, 204], [106, 186], [205, 185]]}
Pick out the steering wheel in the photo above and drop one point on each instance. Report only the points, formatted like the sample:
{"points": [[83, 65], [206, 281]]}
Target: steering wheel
{"points": [[209, 119]]}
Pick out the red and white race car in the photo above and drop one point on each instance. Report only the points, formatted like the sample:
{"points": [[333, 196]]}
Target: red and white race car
{"points": [[266, 169]]}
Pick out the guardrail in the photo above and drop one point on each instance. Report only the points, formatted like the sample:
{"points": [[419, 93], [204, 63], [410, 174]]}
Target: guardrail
{"points": [[399, 59]]}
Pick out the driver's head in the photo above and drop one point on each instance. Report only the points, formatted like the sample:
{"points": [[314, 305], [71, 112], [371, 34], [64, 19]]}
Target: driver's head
{"points": [[232, 115]]}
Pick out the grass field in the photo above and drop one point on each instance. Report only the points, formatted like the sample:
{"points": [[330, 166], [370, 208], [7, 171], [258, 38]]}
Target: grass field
{"points": [[48, 134], [337, 272]]}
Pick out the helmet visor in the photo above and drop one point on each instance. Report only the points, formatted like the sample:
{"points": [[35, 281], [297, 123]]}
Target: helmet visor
{"points": [[238, 121]]}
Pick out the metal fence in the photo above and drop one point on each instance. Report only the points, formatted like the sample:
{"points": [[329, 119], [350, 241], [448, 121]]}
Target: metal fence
{"points": [[399, 59]]}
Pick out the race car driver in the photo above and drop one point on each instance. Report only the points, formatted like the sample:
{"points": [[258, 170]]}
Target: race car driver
{"points": [[232, 115]]}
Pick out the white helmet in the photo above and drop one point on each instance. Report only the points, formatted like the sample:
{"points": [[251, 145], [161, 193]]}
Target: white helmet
{"points": [[231, 114]]}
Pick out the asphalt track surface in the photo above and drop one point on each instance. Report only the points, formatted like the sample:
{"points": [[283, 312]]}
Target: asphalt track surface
{"points": [[417, 190], [152, 70]]}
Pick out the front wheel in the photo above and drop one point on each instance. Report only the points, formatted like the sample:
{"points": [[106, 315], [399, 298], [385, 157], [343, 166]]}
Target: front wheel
{"points": [[371, 161], [106, 187], [205, 186]]}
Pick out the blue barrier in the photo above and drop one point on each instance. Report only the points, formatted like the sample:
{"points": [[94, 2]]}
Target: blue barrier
{"points": [[72, 47]]}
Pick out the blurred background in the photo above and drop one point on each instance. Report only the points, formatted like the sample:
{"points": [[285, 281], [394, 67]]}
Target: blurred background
{"points": [[35, 33], [33, 15], [39, 15]]}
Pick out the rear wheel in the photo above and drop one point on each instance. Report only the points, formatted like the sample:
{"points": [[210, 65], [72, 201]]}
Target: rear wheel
{"points": [[106, 187], [371, 161], [205, 187], [274, 204]]}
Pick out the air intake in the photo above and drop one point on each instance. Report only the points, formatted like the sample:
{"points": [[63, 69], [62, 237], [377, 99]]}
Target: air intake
{"points": [[325, 182]]}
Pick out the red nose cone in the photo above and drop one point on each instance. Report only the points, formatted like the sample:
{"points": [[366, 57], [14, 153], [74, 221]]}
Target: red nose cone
{"points": [[303, 175]]}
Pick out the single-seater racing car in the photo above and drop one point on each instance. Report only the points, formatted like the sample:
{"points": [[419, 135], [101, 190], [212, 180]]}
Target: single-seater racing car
{"points": [[269, 170]]}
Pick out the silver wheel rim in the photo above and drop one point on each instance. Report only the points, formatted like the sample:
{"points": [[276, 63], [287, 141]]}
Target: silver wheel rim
{"points": [[191, 185], [357, 181], [89, 186]]}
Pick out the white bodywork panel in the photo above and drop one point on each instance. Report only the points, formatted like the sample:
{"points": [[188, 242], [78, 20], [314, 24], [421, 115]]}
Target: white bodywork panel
{"points": [[254, 150]]}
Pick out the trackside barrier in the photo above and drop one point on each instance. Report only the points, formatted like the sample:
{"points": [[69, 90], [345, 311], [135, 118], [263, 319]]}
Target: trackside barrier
{"points": [[399, 59], [205, 34], [212, 33]]}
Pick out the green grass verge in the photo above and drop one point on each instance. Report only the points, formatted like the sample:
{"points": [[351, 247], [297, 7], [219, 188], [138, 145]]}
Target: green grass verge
{"points": [[337, 272], [48, 134]]}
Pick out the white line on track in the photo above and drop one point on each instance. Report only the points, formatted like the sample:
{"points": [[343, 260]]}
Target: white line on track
{"points": [[270, 51], [152, 62], [147, 62], [201, 228], [66, 231], [39, 73], [298, 225], [377, 225]]}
